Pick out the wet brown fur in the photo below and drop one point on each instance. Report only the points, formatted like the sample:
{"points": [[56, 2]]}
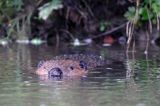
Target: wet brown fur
{"points": [[70, 64]]}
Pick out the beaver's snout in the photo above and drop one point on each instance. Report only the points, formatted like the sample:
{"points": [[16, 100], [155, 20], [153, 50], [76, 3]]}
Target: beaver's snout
{"points": [[55, 72]]}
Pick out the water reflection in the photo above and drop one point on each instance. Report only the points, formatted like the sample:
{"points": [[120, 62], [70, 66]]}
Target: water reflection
{"points": [[130, 80]]}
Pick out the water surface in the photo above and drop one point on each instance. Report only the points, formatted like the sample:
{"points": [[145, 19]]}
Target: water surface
{"points": [[130, 80]]}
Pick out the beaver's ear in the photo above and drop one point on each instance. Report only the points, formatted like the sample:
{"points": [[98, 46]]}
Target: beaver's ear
{"points": [[40, 63], [83, 65]]}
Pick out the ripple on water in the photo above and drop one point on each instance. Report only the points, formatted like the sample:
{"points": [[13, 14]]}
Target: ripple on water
{"points": [[104, 86]]}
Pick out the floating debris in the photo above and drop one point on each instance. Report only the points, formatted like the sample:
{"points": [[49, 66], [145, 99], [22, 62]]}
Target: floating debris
{"points": [[77, 42], [35, 41], [106, 44], [4, 42], [23, 41], [88, 41]]}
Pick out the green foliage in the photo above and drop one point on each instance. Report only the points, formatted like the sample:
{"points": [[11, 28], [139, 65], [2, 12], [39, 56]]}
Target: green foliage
{"points": [[9, 7], [17, 4], [148, 10], [103, 25], [46, 9], [19, 25], [130, 13]]}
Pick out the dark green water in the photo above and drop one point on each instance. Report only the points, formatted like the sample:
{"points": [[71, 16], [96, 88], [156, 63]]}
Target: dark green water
{"points": [[131, 79]]}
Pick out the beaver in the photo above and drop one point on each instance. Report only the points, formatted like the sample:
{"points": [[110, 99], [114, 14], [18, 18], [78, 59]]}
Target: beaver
{"points": [[69, 65]]}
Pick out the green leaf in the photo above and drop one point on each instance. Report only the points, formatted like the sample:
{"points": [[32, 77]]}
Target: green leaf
{"points": [[144, 14], [102, 26], [130, 14], [157, 2], [46, 9], [156, 8], [17, 4]]}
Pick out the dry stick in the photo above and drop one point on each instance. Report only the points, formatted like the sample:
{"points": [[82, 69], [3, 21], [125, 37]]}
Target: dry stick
{"points": [[148, 34], [127, 28], [150, 23], [70, 34], [147, 45], [39, 2], [157, 22], [130, 34], [109, 32], [89, 9], [131, 25], [100, 35], [134, 44], [81, 13]]}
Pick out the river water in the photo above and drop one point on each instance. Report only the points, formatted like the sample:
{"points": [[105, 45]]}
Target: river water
{"points": [[132, 79]]}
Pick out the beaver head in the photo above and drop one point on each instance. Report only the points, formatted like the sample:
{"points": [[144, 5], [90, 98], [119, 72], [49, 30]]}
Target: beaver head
{"points": [[59, 68]]}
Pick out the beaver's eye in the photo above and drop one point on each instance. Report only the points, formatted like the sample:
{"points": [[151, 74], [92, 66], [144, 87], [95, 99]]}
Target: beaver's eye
{"points": [[83, 65], [71, 67]]}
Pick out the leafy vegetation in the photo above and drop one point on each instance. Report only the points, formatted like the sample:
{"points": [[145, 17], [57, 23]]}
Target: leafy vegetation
{"points": [[47, 8], [9, 18], [8, 8], [148, 10], [24, 20]]}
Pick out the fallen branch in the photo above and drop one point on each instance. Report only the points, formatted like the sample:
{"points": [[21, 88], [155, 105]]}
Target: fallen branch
{"points": [[109, 32]]}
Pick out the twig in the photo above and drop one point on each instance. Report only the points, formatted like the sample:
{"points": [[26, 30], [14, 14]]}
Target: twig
{"points": [[67, 32], [158, 23], [129, 34], [109, 32], [89, 9], [39, 2], [150, 22], [147, 45]]}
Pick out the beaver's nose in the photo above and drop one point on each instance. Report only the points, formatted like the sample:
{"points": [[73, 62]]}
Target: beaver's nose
{"points": [[55, 72]]}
